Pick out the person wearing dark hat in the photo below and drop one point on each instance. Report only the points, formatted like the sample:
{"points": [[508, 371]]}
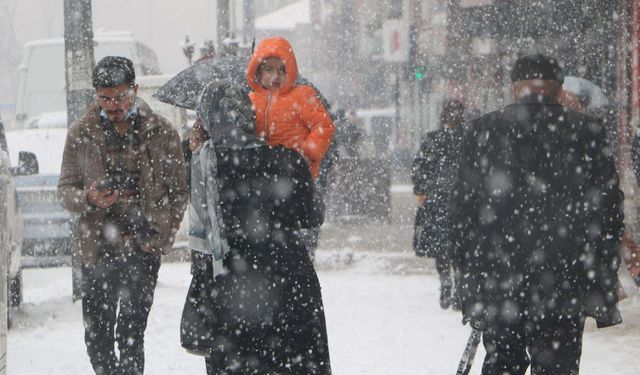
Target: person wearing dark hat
{"points": [[537, 216], [123, 178]]}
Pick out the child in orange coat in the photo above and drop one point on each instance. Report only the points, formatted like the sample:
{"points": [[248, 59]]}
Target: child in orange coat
{"points": [[287, 114]]}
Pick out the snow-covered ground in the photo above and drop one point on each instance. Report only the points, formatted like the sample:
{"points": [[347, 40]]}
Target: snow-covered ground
{"points": [[379, 324]]}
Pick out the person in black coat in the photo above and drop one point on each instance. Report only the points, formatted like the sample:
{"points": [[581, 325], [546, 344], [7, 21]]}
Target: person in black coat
{"points": [[537, 215], [433, 173], [253, 283]]}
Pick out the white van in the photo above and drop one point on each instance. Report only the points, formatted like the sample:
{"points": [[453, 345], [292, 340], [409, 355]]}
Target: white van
{"points": [[41, 85]]}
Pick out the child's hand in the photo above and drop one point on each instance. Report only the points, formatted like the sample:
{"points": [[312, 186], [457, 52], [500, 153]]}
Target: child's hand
{"points": [[421, 198], [197, 136]]}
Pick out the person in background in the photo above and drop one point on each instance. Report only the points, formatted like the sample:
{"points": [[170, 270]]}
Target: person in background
{"points": [[434, 170], [630, 250], [207, 50], [348, 134], [123, 176], [537, 218], [253, 283], [331, 160]]}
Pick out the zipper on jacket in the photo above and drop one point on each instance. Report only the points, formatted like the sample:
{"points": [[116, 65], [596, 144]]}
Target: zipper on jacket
{"points": [[266, 115]]}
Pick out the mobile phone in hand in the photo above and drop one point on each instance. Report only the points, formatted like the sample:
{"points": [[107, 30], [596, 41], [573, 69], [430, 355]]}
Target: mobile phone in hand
{"points": [[108, 184]]}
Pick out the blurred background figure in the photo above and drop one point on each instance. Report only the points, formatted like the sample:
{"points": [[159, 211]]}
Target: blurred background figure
{"points": [[434, 172], [582, 95], [207, 50], [348, 133]]}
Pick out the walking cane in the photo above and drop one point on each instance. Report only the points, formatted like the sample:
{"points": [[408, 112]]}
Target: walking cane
{"points": [[469, 352]]}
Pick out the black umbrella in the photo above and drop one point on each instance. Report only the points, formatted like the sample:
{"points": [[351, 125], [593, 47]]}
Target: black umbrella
{"points": [[185, 88]]}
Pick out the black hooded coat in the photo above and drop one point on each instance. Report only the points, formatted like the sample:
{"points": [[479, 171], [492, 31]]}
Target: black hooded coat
{"points": [[433, 173], [538, 216], [265, 312]]}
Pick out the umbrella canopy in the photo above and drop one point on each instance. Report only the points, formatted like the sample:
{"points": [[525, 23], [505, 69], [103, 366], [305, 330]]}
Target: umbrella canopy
{"points": [[185, 88], [588, 93]]}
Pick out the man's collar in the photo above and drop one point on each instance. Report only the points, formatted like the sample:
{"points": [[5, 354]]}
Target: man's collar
{"points": [[133, 111]]}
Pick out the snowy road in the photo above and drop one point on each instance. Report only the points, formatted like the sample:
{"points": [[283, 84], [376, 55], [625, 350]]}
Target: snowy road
{"points": [[379, 324]]}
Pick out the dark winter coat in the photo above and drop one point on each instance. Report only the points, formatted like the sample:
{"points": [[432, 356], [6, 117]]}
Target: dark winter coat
{"points": [[538, 216], [269, 304], [433, 174], [265, 313]]}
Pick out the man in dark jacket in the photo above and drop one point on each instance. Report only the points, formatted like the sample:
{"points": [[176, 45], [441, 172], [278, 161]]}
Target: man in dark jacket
{"points": [[123, 176], [537, 212]]}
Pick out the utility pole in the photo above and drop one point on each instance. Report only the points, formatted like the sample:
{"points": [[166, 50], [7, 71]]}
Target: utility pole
{"points": [[249, 22], [78, 48], [222, 21]]}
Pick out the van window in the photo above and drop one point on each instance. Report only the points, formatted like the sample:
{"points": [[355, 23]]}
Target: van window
{"points": [[45, 80], [144, 59]]}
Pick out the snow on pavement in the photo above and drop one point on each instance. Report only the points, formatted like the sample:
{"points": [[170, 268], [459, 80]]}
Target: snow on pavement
{"points": [[378, 324]]}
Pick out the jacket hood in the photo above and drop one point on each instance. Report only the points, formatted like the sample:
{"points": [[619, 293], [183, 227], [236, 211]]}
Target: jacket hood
{"points": [[228, 117], [273, 47]]}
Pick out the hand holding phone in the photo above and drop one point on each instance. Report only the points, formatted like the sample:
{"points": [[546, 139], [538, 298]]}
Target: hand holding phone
{"points": [[108, 184], [101, 198]]}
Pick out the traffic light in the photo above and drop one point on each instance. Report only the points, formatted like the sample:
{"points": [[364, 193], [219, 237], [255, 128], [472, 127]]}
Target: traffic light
{"points": [[423, 81], [419, 72]]}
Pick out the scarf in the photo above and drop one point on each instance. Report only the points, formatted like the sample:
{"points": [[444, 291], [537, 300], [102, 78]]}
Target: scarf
{"points": [[227, 115]]}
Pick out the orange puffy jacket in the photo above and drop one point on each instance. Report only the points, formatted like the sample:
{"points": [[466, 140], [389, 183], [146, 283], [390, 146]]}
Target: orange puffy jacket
{"points": [[291, 116]]}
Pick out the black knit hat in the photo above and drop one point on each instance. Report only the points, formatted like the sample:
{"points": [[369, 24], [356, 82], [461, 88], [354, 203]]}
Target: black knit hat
{"points": [[112, 71], [537, 67]]}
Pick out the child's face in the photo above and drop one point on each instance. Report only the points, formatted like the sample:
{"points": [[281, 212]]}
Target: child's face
{"points": [[272, 73]]}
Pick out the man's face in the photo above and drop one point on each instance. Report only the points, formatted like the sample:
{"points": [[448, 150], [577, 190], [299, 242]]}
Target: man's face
{"points": [[117, 101], [272, 73]]}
